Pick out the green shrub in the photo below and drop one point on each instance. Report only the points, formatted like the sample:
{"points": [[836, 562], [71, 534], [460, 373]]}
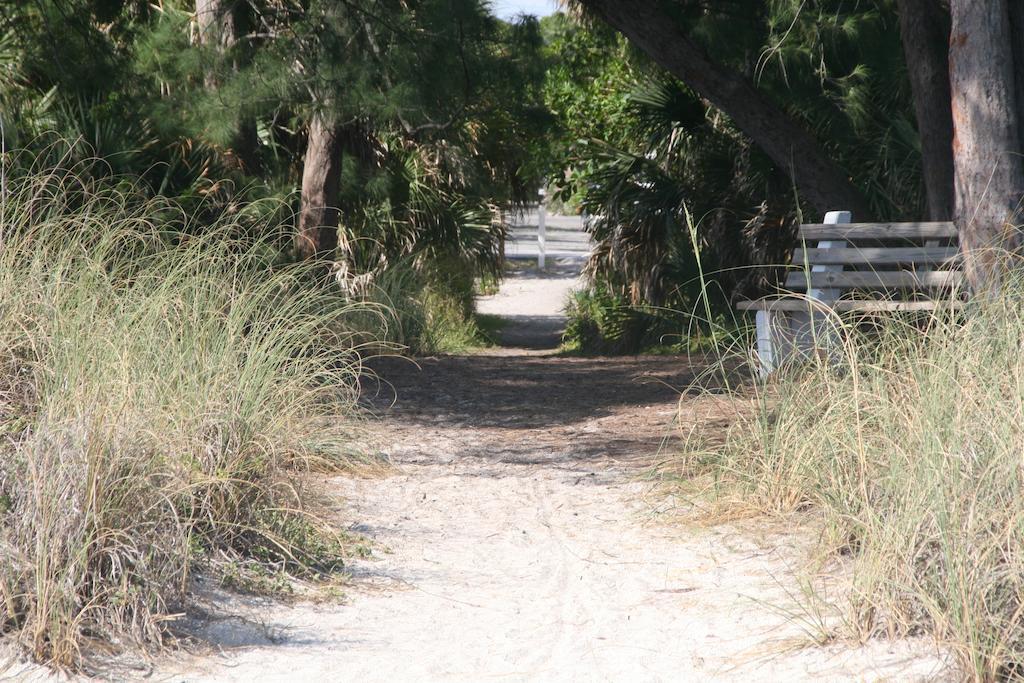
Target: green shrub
{"points": [[424, 307], [601, 322]]}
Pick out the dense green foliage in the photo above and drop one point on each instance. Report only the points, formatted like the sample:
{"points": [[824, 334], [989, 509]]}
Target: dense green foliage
{"points": [[447, 115], [439, 104], [649, 160]]}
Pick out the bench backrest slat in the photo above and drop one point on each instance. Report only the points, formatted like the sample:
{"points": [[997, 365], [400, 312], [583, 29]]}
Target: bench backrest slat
{"points": [[867, 256], [904, 279], [877, 231], [898, 257]]}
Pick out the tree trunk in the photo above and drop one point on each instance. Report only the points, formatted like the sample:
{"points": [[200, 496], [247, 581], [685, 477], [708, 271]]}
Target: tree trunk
{"points": [[817, 178], [218, 30], [317, 235], [924, 31], [216, 23], [247, 146], [215, 31], [986, 137], [1016, 13]]}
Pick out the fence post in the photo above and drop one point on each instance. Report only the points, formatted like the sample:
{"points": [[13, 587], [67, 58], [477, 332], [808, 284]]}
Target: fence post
{"points": [[541, 237]]}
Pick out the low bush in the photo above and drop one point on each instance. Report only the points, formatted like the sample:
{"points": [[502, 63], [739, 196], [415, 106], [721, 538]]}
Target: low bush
{"points": [[601, 322], [159, 391], [424, 308]]}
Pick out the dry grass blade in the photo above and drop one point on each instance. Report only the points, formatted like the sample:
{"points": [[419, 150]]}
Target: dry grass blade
{"points": [[908, 441], [158, 392]]}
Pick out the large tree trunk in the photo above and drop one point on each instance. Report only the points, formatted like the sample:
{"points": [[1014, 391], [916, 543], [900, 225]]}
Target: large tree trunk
{"points": [[924, 30], [1016, 13], [817, 178], [987, 136], [317, 235]]}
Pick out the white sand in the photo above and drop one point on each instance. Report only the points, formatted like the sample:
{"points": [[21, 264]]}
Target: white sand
{"points": [[542, 575], [523, 548]]}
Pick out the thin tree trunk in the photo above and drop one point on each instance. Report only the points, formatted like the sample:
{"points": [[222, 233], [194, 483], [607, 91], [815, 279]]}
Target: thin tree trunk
{"points": [[924, 31], [216, 23], [792, 148], [317, 235], [247, 145], [987, 137], [218, 29]]}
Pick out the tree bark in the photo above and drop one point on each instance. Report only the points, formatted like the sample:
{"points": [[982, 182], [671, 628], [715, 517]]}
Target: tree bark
{"points": [[317, 234], [986, 137], [247, 146], [218, 30], [792, 148], [216, 23], [1016, 13], [924, 31]]}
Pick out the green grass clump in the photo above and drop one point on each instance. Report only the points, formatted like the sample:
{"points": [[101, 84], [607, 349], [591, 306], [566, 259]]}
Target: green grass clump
{"points": [[161, 384], [909, 441], [601, 322], [425, 308]]}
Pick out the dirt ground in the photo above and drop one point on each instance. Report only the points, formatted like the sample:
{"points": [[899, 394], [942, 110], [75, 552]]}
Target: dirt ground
{"points": [[518, 539]]}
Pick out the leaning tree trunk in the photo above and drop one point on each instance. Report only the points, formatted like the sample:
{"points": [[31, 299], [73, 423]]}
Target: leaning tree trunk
{"points": [[792, 148], [924, 32], [317, 234], [987, 136]]}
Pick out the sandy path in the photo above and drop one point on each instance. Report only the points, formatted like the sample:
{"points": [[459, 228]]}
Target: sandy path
{"points": [[532, 305], [516, 542]]}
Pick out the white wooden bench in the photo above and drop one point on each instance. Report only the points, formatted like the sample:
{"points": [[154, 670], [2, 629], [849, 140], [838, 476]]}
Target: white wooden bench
{"points": [[854, 267]]}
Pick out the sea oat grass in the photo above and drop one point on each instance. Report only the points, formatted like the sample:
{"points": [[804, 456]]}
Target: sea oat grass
{"points": [[160, 388], [909, 442]]}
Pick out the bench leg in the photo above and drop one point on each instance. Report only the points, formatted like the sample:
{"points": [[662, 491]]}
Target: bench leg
{"points": [[784, 337], [781, 337], [766, 321]]}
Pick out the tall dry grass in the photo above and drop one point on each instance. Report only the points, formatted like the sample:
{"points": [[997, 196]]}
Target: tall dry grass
{"points": [[161, 383], [909, 442]]}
